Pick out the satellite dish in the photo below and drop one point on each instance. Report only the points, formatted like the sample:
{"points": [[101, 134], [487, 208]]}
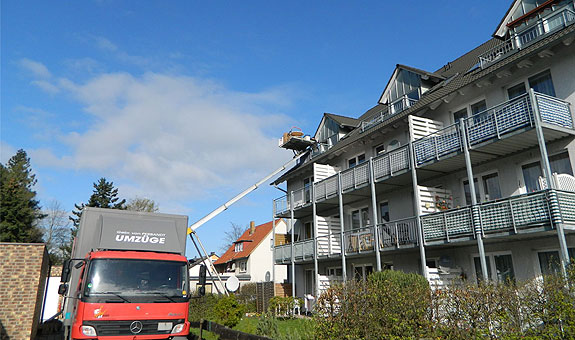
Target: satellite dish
{"points": [[232, 283]]}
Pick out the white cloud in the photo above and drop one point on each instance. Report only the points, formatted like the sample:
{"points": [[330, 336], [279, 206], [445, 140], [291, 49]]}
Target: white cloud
{"points": [[105, 44], [36, 68], [170, 137], [46, 86]]}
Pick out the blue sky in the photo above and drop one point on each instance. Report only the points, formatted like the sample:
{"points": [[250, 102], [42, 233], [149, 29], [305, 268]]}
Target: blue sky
{"points": [[183, 101]]}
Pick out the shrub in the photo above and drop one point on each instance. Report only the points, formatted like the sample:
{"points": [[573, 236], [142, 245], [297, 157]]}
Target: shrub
{"points": [[228, 311], [267, 326], [202, 308], [390, 305]]}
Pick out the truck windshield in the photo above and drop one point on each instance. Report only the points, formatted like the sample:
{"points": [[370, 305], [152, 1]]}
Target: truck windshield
{"points": [[128, 280]]}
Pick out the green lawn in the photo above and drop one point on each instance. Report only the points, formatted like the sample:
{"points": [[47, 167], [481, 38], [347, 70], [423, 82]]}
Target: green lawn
{"points": [[292, 327]]}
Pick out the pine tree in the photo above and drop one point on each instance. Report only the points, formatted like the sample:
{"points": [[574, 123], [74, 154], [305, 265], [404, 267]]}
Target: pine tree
{"points": [[103, 196], [20, 212]]}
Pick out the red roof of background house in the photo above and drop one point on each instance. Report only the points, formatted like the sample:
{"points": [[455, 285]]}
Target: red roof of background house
{"points": [[250, 243]]}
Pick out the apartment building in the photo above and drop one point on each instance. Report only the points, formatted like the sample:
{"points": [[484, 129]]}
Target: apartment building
{"points": [[465, 172]]}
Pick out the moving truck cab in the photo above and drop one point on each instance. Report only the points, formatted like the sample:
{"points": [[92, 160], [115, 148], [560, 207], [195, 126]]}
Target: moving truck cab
{"points": [[132, 282]]}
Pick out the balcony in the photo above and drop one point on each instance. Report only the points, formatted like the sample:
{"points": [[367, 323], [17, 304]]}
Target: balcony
{"points": [[385, 166], [500, 122], [394, 108], [303, 251], [398, 234], [512, 215], [532, 32]]}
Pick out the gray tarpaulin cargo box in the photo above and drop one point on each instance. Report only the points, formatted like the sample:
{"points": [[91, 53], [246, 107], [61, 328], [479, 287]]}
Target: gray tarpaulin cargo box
{"points": [[112, 229]]}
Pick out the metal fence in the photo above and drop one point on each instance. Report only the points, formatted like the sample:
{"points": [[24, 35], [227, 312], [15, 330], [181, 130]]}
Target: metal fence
{"points": [[509, 214], [354, 177], [385, 165], [439, 144], [359, 240], [398, 233]]}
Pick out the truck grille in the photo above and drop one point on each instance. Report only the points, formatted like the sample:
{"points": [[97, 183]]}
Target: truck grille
{"points": [[122, 327]]}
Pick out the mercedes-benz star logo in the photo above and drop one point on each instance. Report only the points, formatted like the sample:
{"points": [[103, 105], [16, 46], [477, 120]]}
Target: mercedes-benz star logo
{"points": [[136, 327]]}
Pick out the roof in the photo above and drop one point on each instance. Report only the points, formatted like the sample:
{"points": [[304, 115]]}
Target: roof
{"points": [[343, 120], [458, 74], [420, 72], [250, 242]]}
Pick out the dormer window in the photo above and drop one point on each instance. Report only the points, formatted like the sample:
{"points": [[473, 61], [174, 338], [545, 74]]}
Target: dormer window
{"points": [[238, 247]]}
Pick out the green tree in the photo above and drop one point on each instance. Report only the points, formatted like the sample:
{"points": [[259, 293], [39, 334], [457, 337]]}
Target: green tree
{"points": [[142, 204], [19, 209], [104, 195]]}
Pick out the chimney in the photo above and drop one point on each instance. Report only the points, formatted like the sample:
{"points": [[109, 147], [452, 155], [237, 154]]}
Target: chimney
{"points": [[252, 227]]}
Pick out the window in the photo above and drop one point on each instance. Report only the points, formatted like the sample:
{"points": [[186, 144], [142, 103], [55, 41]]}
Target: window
{"points": [[467, 191], [531, 173], [308, 230], [542, 83], [239, 246], [459, 115], [485, 190], [359, 218], [549, 261], [480, 106], [383, 212], [334, 271], [559, 163], [379, 149], [394, 144], [503, 265], [307, 182], [243, 266], [361, 272], [355, 161], [491, 189], [309, 282], [516, 91]]}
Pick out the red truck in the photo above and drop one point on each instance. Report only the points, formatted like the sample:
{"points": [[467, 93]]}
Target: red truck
{"points": [[128, 277]]}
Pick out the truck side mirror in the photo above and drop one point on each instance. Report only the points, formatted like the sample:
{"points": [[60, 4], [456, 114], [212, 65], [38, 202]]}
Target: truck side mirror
{"points": [[65, 277], [202, 279], [63, 289]]}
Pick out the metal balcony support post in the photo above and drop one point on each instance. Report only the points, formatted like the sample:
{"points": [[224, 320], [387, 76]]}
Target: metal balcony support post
{"points": [[564, 254], [341, 226], [417, 208], [274, 246], [374, 214], [315, 264], [292, 231], [476, 218]]}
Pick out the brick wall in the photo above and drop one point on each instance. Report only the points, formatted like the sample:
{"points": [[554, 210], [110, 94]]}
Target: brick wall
{"points": [[23, 271]]}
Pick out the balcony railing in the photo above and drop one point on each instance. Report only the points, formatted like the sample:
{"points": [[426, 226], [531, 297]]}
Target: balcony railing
{"points": [[384, 165], [530, 33], [437, 145], [511, 214], [398, 233], [355, 177], [359, 240], [391, 162], [394, 108], [493, 123]]}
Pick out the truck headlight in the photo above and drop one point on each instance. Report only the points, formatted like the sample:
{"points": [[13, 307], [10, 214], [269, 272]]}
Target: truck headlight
{"points": [[88, 331], [178, 328]]}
